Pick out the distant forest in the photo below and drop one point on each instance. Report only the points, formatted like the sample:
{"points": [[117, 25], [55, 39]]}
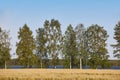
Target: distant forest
{"points": [[76, 48]]}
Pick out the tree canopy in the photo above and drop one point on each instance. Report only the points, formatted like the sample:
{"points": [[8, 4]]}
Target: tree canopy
{"points": [[70, 49], [96, 40], [25, 46], [76, 47], [116, 46], [4, 47]]}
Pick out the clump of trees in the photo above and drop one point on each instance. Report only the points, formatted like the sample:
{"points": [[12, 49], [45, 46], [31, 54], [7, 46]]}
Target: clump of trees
{"points": [[78, 46]]}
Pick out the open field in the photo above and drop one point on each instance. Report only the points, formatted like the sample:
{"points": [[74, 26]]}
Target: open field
{"points": [[58, 74]]}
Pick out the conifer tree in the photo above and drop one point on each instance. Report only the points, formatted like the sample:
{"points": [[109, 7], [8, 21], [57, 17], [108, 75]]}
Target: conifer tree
{"points": [[25, 47]]}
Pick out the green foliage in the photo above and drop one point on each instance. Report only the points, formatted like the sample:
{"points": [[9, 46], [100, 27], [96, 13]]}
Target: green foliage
{"points": [[4, 47], [96, 39], [40, 45], [117, 38], [50, 45], [25, 46], [81, 43], [70, 49], [53, 36]]}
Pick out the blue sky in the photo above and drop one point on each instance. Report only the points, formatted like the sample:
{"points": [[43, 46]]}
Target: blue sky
{"points": [[15, 13]]}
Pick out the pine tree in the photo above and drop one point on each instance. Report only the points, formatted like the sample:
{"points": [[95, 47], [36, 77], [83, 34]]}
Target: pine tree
{"points": [[117, 38], [25, 47], [70, 50]]}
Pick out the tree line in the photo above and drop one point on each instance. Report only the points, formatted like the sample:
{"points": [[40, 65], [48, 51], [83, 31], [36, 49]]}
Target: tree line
{"points": [[79, 46]]}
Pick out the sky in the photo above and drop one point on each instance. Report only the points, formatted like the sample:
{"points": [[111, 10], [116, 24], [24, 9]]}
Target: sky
{"points": [[15, 13]]}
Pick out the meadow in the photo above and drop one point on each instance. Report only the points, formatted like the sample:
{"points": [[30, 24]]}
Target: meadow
{"points": [[59, 74]]}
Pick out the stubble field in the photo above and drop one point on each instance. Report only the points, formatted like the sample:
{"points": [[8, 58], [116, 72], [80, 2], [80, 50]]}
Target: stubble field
{"points": [[58, 74]]}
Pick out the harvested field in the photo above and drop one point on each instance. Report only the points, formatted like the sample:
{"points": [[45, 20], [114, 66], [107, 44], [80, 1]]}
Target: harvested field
{"points": [[58, 74]]}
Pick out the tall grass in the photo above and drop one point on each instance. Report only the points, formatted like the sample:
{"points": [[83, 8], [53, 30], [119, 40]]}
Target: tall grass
{"points": [[58, 74]]}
